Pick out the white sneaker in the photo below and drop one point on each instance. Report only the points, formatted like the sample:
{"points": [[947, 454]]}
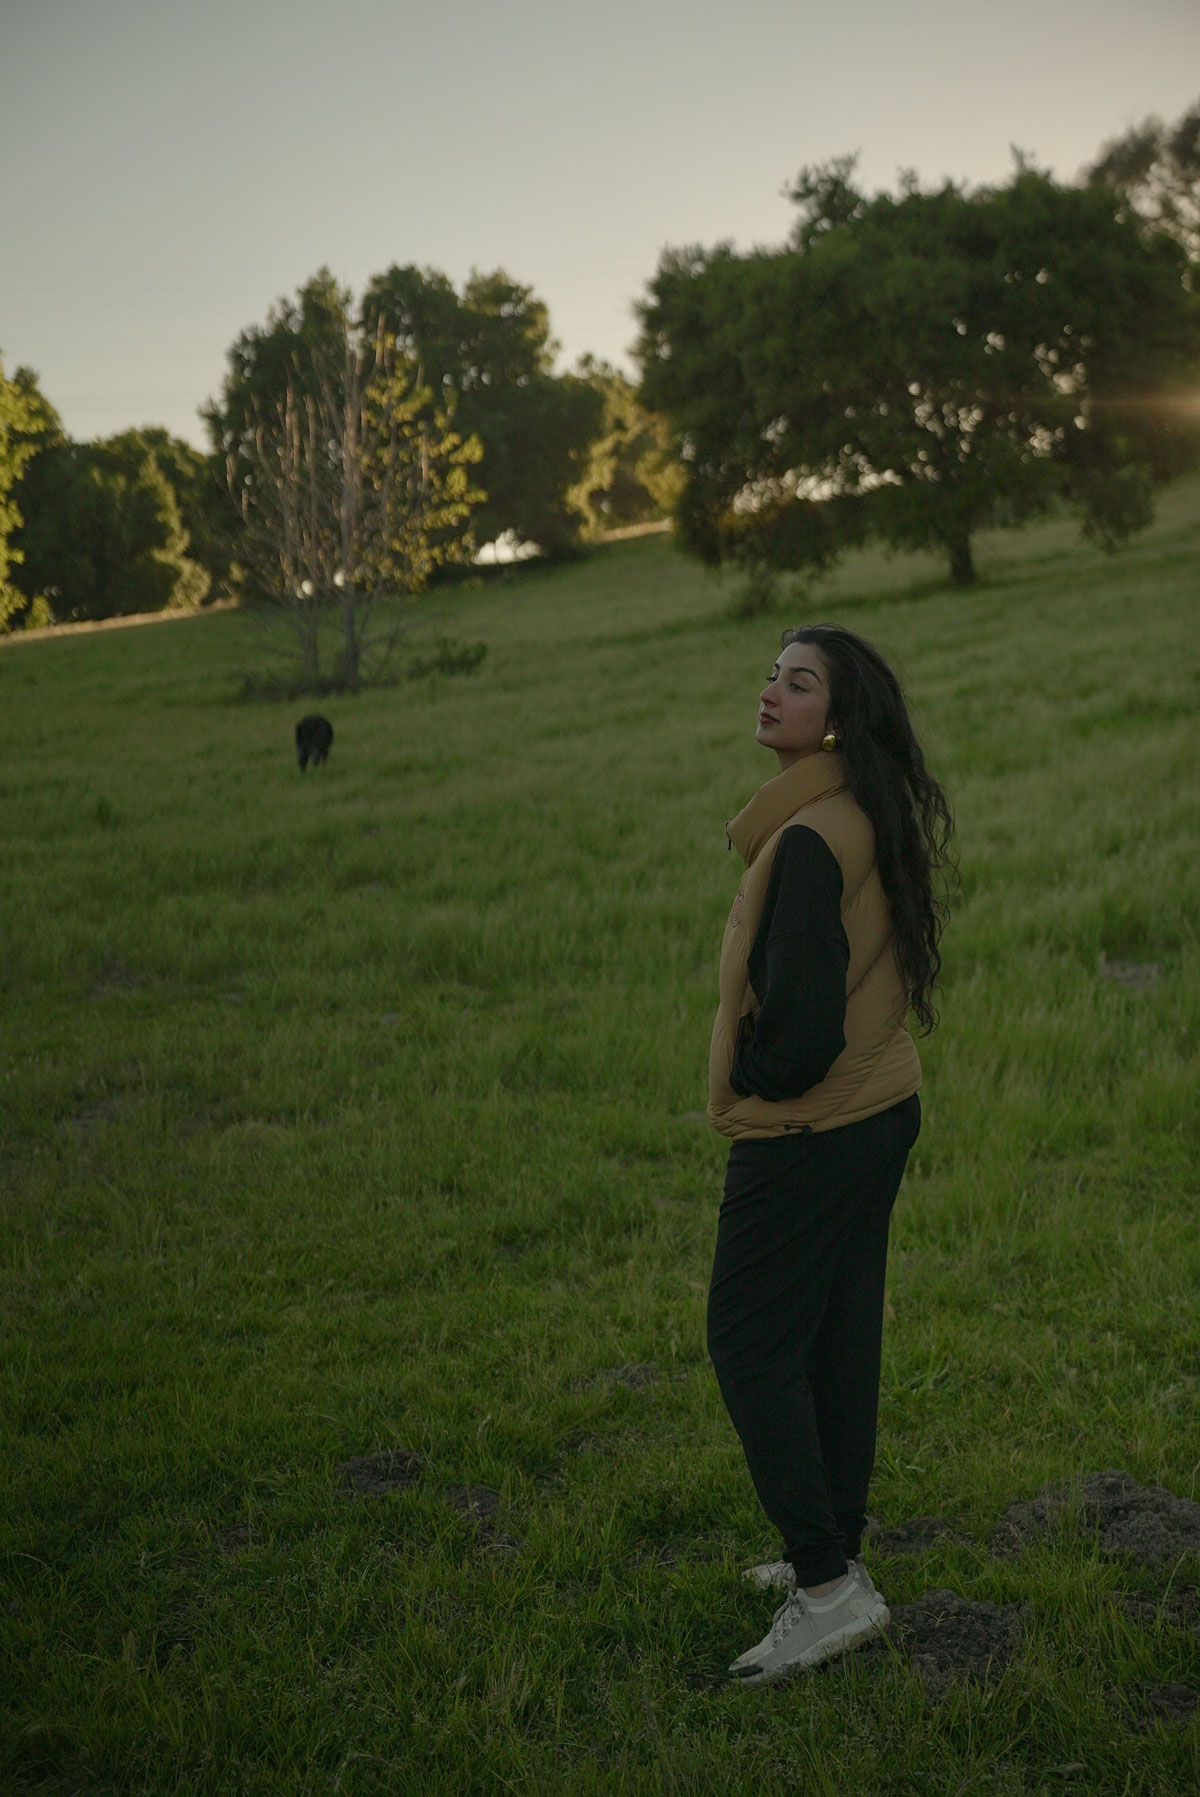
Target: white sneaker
{"points": [[806, 1630], [777, 1575], [780, 1575]]}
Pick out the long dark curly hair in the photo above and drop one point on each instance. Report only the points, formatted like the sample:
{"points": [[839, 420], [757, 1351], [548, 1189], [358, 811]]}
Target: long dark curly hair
{"points": [[886, 772]]}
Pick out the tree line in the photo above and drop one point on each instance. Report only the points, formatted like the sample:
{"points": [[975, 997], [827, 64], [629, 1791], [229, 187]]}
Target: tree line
{"points": [[908, 367], [447, 384]]}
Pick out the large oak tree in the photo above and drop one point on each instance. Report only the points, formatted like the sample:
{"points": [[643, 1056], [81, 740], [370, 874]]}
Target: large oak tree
{"points": [[916, 367]]}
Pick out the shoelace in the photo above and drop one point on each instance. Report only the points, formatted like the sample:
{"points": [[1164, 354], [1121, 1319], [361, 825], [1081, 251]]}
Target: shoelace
{"points": [[786, 1616], [794, 1607]]}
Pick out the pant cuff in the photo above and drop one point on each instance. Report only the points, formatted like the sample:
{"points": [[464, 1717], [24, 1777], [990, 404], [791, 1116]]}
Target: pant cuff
{"points": [[818, 1569]]}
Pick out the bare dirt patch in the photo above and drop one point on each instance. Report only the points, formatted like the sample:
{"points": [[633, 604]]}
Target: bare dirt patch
{"points": [[667, 1556], [916, 1536], [94, 1116], [1148, 1523], [237, 1538], [603, 1445], [1179, 1608], [475, 1501], [1137, 976], [114, 976], [173, 1638], [632, 1378], [374, 1475], [661, 1554], [1148, 1706], [190, 1124], [481, 1507], [948, 1638], [395, 1469], [514, 1250]]}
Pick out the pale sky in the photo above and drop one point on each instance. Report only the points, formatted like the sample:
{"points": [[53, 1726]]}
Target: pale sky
{"points": [[170, 167]]}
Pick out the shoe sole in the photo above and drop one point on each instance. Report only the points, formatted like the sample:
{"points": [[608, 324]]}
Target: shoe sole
{"points": [[827, 1649]]}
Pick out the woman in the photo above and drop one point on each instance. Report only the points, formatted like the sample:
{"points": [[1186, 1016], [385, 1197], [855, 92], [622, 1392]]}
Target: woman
{"points": [[833, 937]]}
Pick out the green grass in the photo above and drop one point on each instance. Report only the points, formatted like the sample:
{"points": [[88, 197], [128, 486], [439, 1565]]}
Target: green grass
{"points": [[359, 1110]]}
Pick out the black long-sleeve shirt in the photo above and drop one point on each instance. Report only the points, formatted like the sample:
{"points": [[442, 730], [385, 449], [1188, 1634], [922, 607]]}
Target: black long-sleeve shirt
{"points": [[797, 969]]}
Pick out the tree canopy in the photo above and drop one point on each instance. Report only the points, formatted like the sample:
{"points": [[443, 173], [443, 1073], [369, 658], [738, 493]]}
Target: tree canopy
{"points": [[197, 481], [102, 534], [20, 425], [489, 353], [350, 482], [630, 475], [915, 367], [99, 531], [1156, 169]]}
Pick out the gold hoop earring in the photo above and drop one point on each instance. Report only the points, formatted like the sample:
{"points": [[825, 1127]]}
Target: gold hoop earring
{"points": [[829, 741]]}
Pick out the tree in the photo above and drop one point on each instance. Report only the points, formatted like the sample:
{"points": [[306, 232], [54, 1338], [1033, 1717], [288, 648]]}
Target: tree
{"points": [[197, 481], [103, 536], [630, 476], [1156, 170], [100, 532], [489, 354], [18, 443], [350, 483], [913, 368]]}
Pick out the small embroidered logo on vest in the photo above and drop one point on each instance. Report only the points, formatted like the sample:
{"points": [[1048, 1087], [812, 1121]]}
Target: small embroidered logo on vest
{"points": [[735, 914]]}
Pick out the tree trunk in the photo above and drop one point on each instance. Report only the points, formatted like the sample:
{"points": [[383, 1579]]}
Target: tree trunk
{"points": [[310, 659], [351, 639], [962, 562]]}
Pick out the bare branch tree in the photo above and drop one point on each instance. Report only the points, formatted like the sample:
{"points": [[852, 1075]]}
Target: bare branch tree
{"points": [[352, 490]]}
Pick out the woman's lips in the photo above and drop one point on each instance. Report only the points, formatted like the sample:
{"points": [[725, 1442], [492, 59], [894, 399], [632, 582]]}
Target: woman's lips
{"points": [[765, 717]]}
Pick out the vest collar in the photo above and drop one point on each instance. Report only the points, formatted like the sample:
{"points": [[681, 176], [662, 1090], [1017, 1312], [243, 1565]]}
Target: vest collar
{"points": [[812, 777]]}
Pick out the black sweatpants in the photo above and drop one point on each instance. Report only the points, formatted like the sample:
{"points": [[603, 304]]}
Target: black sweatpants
{"points": [[795, 1323]]}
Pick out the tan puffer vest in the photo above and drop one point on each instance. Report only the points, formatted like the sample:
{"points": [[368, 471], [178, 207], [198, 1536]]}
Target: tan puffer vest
{"points": [[879, 1064]]}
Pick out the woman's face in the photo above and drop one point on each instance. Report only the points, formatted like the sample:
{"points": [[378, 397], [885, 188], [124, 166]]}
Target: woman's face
{"points": [[793, 707]]}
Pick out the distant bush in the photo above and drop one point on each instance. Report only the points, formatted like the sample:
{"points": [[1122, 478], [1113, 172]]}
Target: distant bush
{"points": [[448, 657]]}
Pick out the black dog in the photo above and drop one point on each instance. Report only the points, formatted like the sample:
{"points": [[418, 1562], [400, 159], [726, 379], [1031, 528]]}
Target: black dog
{"points": [[314, 735]]}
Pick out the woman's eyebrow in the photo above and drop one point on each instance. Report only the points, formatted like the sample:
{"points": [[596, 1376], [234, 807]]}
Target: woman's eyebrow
{"points": [[811, 671]]}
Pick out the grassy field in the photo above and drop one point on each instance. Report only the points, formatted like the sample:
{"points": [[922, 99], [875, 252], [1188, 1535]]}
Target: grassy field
{"points": [[361, 1111]]}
